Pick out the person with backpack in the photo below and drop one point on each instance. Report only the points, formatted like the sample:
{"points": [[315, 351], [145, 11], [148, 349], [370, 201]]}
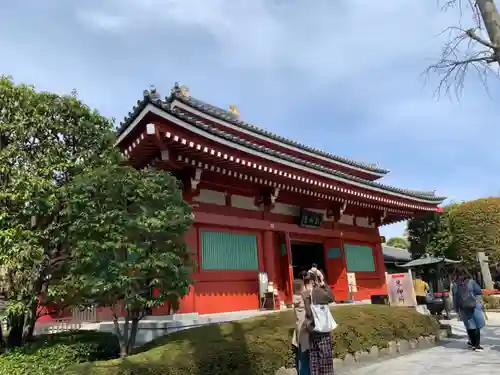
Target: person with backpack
{"points": [[300, 338], [320, 323], [465, 299]]}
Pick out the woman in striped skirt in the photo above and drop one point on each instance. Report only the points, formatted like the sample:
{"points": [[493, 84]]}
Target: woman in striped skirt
{"points": [[320, 344]]}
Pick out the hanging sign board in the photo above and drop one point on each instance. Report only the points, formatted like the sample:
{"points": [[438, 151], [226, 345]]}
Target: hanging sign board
{"points": [[310, 219], [400, 289], [351, 282]]}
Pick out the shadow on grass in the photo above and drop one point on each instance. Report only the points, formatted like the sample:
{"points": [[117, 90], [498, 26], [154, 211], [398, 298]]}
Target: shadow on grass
{"points": [[210, 349]]}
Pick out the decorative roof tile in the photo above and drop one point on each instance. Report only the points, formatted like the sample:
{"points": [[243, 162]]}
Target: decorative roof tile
{"points": [[154, 98]]}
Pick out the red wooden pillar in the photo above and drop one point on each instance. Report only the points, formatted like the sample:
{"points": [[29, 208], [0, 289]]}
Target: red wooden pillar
{"points": [[288, 269], [269, 256], [380, 265]]}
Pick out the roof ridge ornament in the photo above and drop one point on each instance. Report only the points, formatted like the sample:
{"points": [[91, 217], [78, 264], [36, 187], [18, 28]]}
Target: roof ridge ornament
{"points": [[234, 110], [180, 90], [153, 94]]}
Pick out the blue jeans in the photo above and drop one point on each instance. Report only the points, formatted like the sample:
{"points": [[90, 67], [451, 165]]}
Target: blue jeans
{"points": [[303, 362]]}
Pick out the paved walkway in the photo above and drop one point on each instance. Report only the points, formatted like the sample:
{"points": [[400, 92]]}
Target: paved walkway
{"points": [[452, 357]]}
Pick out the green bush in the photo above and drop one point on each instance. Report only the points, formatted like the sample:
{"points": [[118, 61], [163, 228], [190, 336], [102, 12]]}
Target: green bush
{"points": [[475, 226], [48, 354], [259, 346]]}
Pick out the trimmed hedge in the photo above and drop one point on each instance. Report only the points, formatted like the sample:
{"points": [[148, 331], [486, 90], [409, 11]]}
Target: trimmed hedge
{"points": [[475, 226], [259, 346], [48, 354]]}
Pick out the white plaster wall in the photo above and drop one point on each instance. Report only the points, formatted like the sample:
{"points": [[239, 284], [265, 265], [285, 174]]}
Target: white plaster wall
{"points": [[364, 222], [247, 203], [286, 209], [346, 219], [211, 196]]}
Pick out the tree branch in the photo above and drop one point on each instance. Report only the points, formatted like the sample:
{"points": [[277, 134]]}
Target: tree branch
{"points": [[457, 55], [471, 33]]}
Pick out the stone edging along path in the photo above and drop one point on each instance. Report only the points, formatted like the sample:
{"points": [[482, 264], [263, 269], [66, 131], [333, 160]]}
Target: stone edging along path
{"points": [[394, 349]]}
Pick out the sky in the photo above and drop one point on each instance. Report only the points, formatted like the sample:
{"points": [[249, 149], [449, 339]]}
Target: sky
{"points": [[344, 76]]}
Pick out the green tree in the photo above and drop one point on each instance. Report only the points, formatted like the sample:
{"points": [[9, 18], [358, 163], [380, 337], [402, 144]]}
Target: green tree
{"points": [[137, 221], [46, 140], [398, 242], [431, 234], [476, 227]]}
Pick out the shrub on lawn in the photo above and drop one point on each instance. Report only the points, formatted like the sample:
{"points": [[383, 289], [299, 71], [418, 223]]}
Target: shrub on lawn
{"points": [[48, 354], [259, 346]]}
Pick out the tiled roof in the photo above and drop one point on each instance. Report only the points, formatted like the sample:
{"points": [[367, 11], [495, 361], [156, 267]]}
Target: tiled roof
{"points": [[395, 254], [165, 105], [224, 115], [228, 116]]}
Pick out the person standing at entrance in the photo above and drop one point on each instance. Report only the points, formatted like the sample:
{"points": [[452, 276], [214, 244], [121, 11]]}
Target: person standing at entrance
{"points": [[300, 335], [465, 293], [316, 273], [320, 343], [421, 290]]}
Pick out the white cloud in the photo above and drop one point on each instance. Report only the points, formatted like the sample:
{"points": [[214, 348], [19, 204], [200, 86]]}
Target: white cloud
{"points": [[103, 21], [326, 39], [371, 51]]}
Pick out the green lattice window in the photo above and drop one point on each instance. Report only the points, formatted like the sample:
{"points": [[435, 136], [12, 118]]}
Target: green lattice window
{"points": [[229, 251], [359, 258]]}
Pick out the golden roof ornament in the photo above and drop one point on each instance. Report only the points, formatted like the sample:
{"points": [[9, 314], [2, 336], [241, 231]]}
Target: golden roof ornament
{"points": [[184, 91], [180, 90], [234, 110]]}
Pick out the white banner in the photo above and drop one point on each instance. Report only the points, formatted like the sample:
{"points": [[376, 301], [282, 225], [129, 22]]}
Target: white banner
{"points": [[400, 289], [351, 282]]}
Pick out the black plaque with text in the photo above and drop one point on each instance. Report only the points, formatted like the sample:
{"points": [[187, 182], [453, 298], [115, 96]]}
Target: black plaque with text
{"points": [[310, 219]]}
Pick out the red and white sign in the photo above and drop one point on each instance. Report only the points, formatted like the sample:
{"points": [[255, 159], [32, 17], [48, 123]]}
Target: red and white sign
{"points": [[400, 289]]}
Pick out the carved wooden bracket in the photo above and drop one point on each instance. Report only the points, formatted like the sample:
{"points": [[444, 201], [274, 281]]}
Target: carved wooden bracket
{"points": [[343, 208], [196, 179], [274, 196], [378, 219], [336, 211], [267, 198], [384, 216]]}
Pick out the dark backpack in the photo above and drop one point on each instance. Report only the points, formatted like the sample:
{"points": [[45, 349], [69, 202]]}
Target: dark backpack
{"points": [[466, 298]]}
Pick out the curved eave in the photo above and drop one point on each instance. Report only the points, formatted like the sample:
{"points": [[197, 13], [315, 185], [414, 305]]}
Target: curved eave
{"points": [[218, 136]]}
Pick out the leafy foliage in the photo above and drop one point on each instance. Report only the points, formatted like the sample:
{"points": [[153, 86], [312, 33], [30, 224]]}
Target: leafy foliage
{"points": [[476, 227], [261, 345], [398, 242], [431, 234], [126, 234], [46, 140], [48, 354]]}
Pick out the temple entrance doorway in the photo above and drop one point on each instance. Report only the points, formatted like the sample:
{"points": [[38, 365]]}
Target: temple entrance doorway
{"points": [[304, 254]]}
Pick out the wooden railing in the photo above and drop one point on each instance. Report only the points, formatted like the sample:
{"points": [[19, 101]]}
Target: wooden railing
{"points": [[53, 326], [57, 325]]}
